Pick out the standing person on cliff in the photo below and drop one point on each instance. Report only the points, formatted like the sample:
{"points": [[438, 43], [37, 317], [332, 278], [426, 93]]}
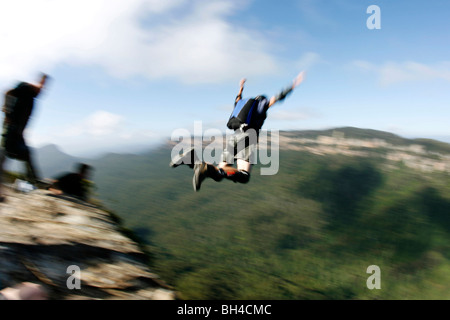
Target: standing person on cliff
{"points": [[18, 107]]}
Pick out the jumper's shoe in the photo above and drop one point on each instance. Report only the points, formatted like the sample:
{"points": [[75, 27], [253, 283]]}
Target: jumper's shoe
{"points": [[23, 186], [188, 158], [200, 170]]}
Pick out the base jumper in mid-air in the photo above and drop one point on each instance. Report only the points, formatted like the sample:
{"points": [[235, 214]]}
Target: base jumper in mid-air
{"points": [[247, 114]]}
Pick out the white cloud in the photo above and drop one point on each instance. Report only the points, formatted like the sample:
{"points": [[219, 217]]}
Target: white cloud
{"points": [[395, 72], [191, 41], [99, 132], [100, 123]]}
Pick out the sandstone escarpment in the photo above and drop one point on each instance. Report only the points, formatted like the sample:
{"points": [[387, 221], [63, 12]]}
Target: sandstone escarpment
{"points": [[72, 248]]}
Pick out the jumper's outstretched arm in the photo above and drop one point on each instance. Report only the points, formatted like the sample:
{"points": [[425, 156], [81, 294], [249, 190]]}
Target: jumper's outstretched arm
{"points": [[283, 94], [241, 89]]}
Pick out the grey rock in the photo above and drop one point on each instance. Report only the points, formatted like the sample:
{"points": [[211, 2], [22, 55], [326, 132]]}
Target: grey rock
{"points": [[42, 235]]}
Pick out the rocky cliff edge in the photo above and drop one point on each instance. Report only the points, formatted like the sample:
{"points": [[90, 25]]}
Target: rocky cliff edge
{"points": [[75, 250]]}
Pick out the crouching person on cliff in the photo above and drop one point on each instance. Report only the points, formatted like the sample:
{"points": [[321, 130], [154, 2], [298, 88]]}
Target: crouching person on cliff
{"points": [[73, 184]]}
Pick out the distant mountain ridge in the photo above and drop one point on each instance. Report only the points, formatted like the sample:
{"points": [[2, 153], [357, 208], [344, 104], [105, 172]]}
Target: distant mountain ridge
{"points": [[370, 134], [51, 160]]}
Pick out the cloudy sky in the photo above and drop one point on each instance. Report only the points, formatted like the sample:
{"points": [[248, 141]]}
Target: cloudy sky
{"points": [[127, 73]]}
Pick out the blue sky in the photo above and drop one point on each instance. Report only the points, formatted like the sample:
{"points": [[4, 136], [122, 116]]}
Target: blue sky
{"points": [[128, 73]]}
